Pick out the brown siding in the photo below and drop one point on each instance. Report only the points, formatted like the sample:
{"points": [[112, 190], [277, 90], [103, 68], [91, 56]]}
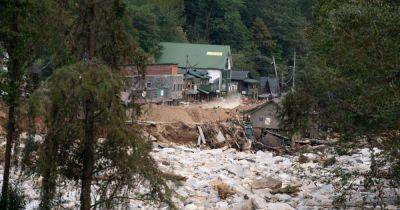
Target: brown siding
{"points": [[167, 69]]}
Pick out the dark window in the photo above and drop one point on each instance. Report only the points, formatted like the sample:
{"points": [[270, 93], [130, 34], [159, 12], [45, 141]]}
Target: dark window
{"points": [[148, 85]]}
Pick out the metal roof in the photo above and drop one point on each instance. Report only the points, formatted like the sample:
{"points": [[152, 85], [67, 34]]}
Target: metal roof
{"points": [[251, 81], [200, 56], [239, 75]]}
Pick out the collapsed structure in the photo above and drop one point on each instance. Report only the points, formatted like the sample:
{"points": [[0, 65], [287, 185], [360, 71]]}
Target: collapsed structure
{"points": [[161, 83]]}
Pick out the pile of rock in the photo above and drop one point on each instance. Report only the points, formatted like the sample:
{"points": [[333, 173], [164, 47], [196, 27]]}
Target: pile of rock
{"points": [[252, 181]]}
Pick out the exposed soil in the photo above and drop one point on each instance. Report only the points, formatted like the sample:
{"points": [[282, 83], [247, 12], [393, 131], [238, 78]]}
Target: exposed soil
{"points": [[187, 115]]}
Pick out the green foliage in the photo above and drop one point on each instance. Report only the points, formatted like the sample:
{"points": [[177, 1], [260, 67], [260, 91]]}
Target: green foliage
{"points": [[156, 21], [295, 112], [357, 42], [286, 21], [122, 160], [16, 199], [351, 79]]}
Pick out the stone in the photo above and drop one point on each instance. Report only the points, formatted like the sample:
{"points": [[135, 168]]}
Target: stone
{"points": [[190, 207], [245, 205], [236, 170], [258, 202], [152, 138], [283, 197], [278, 206], [220, 137], [267, 182], [264, 193], [222, 205]]}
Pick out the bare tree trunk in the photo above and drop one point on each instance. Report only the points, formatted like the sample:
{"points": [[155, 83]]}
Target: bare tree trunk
{"points": [[15, 75], [7, 158], [92, 29], [88, 157]]}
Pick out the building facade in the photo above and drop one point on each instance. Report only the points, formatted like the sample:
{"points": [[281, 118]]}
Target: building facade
{"points": [[216, 60], [161, 84], [245, 85]]}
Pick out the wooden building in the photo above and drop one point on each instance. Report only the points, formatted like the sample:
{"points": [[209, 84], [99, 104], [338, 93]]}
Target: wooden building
{"points": [[264, 116], [161, 84], [245, 85]]}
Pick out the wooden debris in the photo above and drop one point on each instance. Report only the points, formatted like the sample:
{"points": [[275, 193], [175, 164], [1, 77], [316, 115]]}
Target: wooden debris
{"points": [[203, 139], [224, 191]]}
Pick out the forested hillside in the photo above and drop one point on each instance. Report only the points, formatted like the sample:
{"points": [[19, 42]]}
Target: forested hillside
{"points": [[255, 29]]}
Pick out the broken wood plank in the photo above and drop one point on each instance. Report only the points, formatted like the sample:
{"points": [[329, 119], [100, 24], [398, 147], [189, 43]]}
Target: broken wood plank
{"points": [[203, 139]]}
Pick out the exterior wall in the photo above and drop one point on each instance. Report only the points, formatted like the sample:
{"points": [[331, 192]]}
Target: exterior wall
{"points": [[265, 117], [216, 78], [159, 88], [162, 69]]}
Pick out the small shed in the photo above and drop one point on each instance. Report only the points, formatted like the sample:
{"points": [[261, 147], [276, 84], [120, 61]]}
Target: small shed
{"points": [[264, 116]]}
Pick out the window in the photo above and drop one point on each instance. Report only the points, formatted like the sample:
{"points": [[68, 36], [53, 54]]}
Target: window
{"points": [[261, 119], [148, 84]]}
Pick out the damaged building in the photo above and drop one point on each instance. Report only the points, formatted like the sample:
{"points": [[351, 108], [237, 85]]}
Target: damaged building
{"points": [[161, 83]]}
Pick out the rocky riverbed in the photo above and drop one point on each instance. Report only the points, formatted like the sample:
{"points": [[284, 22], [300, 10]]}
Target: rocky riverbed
{"points": [[228, 179], [262, 180]]}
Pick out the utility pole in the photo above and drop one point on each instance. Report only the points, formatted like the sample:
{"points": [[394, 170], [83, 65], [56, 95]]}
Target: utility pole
{"points": [[294, 70], [276, 72]]}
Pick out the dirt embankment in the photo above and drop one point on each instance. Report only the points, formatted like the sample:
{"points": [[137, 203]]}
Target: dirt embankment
{"points": [[187, 115]]}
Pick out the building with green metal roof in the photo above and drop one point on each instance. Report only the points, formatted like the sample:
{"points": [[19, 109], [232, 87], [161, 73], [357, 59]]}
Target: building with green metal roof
{"points": [[216, 59]]}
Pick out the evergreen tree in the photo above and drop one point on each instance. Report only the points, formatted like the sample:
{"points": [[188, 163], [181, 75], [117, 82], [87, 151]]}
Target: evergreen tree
{"points": [[351, 78], [262, 37], [23, 26], [87, 139]]}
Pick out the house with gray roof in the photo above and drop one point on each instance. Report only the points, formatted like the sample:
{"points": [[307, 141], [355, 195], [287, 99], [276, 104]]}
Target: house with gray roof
{"points": [[245, 85]]}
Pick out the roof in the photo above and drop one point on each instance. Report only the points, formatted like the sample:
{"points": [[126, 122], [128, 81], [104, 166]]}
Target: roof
{"points": [[251, 81], [271, 83], [256, 108], [201, 56], [239, 75], [203, 91], [198, 74]]}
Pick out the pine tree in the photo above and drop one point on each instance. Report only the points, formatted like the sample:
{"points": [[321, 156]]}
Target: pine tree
{"points": [[88, 141], [22, 34]]}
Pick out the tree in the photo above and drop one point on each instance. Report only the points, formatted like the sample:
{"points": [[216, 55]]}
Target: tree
{"points": [[262, 36], [83, 106], [156, 21], [216, 22], [21, 25], [351, 76], [87, 141]]}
